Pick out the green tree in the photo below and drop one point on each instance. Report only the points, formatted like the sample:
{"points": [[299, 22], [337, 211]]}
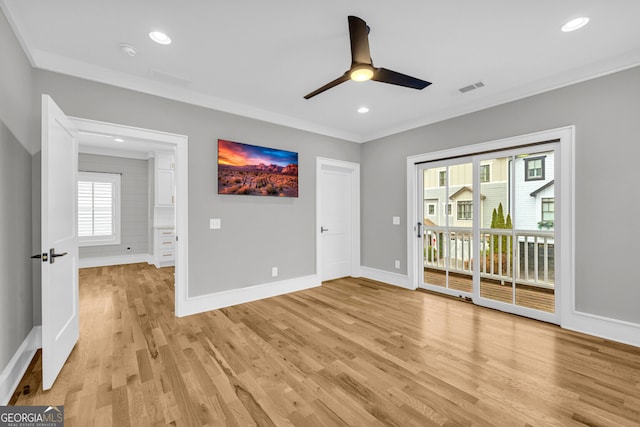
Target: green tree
{"points": [[498, 221], [509, 225]]}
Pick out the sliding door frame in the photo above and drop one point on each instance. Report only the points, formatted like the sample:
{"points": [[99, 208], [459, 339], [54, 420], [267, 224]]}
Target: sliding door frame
{"points": [[565, 171], [437, 164]]}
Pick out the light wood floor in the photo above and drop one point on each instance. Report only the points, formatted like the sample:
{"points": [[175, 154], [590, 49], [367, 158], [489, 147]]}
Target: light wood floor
{"points": [[352, 352]]}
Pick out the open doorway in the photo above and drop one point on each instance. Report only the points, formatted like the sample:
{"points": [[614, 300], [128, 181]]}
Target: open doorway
{"points": [[166, 210], [60, 223]]}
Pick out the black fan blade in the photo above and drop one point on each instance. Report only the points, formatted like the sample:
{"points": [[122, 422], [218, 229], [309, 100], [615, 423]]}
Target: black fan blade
{"points": [[359, 41], [343, 78], [387, 76]]}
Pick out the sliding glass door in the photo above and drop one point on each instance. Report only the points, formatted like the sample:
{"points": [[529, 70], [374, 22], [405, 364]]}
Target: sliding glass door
{"points": [[488, 229], [447, 217]]}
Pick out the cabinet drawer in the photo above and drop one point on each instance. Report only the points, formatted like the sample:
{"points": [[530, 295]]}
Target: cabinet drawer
{"points": [[167, 255], [166, 243]]}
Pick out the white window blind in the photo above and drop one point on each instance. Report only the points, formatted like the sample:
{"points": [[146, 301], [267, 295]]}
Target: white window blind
{"points": [[98, 208]]}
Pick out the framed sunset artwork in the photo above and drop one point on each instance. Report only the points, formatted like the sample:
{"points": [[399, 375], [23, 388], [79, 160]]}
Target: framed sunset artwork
{"points": [[256, 171]]}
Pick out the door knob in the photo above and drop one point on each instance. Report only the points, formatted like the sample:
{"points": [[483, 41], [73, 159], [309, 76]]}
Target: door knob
{"points": [[322, 229], [53, 255], [44, 257]]}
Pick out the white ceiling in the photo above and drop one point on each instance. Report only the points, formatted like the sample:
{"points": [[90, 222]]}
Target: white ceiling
{"points": [[119, 146], [259, 58]]}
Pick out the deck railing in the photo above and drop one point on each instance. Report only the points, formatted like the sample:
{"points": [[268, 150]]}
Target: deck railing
{"points": [[528, 253]]}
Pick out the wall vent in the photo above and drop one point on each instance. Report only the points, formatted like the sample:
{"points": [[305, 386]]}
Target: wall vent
{"points": [[471, 87]]}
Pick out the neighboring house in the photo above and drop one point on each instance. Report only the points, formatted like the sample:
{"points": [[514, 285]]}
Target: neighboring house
{"points": [[534, 196], [458, 205], [535, 202]]}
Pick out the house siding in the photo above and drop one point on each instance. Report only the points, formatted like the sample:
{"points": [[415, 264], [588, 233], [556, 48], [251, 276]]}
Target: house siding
{"points": [[528, 209]]}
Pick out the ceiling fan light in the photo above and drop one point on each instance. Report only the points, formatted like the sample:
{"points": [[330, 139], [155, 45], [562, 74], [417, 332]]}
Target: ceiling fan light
{"points": [[361, 74]]}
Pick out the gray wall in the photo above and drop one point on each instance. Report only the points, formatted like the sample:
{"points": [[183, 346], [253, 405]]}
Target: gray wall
{"points": [[16, 133], [134, 206], [605, 112], [36, 203], [257, 232], [16, 315]]}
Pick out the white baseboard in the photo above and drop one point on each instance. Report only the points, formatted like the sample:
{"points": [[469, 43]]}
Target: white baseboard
{"points": [[401, 280], [603, 327], [114, 260], [13, 372], [228, 298]]}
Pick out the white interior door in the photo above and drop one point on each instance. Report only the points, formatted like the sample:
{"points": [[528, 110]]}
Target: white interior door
{"points": [[60, 304], [336, 211]]}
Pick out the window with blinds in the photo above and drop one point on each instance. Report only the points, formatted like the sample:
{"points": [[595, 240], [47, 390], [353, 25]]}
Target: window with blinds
{"points": [[98, 209]]}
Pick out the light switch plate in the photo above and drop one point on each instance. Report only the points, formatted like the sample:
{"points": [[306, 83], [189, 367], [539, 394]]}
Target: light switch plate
{"points": [[215, 223], [396, 220]]}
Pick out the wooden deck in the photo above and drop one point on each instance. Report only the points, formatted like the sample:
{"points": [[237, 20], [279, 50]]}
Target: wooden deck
{"points": [[526, 296]]}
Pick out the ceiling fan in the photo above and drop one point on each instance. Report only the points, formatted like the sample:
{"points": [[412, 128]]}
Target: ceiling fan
{"points": [[362, 68]]}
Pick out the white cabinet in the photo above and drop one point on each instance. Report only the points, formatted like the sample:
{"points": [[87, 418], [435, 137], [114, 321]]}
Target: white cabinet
{"points": [[165, 244], [164, 235], [165, 187]]}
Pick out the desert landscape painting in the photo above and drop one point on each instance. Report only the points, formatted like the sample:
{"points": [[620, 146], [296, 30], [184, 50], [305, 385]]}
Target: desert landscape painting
{"points": [[256, 171]]}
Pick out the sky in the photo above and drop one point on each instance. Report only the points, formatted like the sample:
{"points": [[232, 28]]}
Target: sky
{"points": [[237, 154]]}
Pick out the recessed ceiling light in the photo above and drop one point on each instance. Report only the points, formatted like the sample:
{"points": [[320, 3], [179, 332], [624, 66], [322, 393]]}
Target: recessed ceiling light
{"points": [[118, 140], [363, 110], [575, 24], [159, 37]]}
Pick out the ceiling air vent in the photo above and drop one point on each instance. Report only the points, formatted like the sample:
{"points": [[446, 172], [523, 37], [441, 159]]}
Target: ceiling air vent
{"points": [[471, 87]]}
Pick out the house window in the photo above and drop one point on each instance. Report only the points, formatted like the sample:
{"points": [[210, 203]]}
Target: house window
{"points": [[465, 210], [442, 177], [447, 209], [548, 209], [431, 209], [485, 173], [98, 209], [534, 169]]}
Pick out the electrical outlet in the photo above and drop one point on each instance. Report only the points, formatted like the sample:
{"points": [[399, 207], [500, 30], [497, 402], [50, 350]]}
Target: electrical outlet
{"points": [[397, 263], [274, 271], [215, 223], [395, 220]]}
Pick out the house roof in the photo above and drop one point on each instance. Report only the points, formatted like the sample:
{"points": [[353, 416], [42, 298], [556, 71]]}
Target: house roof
{"points": [[544, 187], [429, 223], [464, 189]]}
